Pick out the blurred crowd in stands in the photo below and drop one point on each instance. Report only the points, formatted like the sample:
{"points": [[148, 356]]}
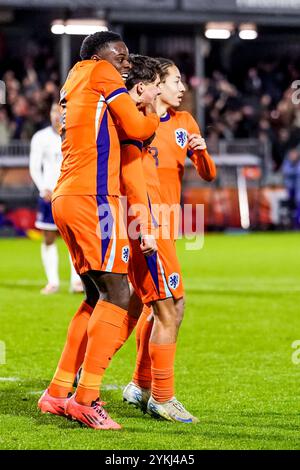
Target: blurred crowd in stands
{"points": [[262, 107], [259, 107], [31, 87], [260, 104]]}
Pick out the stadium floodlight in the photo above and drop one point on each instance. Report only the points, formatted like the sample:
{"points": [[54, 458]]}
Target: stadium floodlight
{"points": [[218, 30], [66, 29], [248, 32], [78, 26], [58, 28]]}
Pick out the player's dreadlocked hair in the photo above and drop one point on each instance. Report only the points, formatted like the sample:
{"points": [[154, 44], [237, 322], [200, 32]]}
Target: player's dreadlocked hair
{"points": [[165, 64], [97, 41], [143, 69]]}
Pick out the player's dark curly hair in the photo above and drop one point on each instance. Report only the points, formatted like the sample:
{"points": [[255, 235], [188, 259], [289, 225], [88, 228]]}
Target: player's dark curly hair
{"points": [[93, 43], [165, 64], [143, 69]]}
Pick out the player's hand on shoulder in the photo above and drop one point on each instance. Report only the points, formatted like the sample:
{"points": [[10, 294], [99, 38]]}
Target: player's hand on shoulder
{"points": [[148, 245], [196, 142]]}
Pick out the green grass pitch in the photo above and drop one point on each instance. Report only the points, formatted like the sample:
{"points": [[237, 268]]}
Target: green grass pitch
{"points": [[234, 366]]}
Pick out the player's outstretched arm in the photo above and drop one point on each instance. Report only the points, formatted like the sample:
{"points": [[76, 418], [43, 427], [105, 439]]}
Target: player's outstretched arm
{"points": [[107, 81], [135, 123]]}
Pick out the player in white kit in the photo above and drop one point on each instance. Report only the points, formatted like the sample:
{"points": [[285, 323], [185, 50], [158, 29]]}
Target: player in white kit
{"points": [[45, 163]]}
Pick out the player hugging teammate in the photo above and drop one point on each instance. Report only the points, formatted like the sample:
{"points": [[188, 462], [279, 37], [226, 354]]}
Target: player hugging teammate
{"points": [[107, 149]]}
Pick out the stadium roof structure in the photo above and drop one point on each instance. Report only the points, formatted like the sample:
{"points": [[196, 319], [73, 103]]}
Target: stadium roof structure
{"points": [[268, 12]]}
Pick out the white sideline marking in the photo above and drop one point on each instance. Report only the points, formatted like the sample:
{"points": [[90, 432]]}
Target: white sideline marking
{"points": [[104, 387], [28, 282], [113, 387], [10, 379], [213, 283]]}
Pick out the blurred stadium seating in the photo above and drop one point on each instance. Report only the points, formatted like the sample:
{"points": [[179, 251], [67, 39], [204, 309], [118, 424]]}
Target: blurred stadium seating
{"points": [[240, 90]]}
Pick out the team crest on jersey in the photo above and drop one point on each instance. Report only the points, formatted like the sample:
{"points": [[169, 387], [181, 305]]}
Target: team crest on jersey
{"points": [[173, 281], [181, 137], [125, 254]]}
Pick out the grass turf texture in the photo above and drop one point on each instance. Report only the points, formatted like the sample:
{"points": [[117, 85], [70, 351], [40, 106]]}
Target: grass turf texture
{"points": [[233, 367]]}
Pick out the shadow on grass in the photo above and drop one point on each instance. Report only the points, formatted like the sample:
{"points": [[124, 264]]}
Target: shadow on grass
{"points": [[17, 400], [20, 400]]}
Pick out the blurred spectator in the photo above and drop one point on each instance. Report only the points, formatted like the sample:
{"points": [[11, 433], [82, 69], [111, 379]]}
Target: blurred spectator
{"points": [[253, 84], [259, 107], [29, 95], [291, 173], [5, 127]]}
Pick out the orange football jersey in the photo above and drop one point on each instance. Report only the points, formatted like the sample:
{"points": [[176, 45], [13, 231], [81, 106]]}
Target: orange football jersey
{"points": [[92, 99], [136, 176], [171, 149]]}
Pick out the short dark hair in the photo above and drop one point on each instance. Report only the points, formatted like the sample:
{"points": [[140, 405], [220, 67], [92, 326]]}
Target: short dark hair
{"points": [[97, 41], [165, 64], [143, 69]]}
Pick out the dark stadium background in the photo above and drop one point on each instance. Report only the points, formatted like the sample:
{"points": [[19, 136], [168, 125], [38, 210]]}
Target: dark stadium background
{"points": [[239, 90]]}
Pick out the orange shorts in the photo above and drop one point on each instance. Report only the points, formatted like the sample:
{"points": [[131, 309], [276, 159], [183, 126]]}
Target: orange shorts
{"points": [[156, 277], [94, 231]]}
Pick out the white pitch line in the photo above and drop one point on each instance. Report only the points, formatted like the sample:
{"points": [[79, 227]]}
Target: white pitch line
{"points": [[27, 282], [104, 387], [10, 379], [113, 387]]}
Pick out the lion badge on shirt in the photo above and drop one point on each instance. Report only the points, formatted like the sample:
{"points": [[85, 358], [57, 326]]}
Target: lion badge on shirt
{"points": [[181, 137], [173, 281], [125, 254]]}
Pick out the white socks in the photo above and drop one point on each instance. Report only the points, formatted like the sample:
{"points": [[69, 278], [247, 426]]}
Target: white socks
{"points": [[75, 279], [50, 262]]}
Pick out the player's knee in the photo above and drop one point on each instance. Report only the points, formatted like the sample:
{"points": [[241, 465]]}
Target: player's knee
{"points": [[114, 288], [91, 292], [179, 305], [135, 306], [92, 299], [165, 312], [121, 297], [49, 237]]}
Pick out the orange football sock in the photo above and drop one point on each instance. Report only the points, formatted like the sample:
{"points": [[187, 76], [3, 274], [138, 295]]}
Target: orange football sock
{"points": [[142, 372], [162, 369], [126, 330], [73, 353], [146, 312], [103, 333]]}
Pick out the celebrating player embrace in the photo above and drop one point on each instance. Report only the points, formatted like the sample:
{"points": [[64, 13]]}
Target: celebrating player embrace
{"points": [[177, 137], [86, 208], [110, 147]]}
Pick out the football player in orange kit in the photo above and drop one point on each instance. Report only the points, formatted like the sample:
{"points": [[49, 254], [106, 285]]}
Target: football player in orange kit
{"points": [[157, 279], [86, 207], [177, 137]]}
